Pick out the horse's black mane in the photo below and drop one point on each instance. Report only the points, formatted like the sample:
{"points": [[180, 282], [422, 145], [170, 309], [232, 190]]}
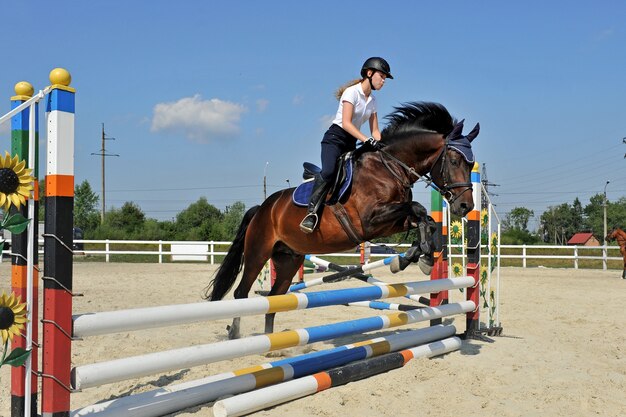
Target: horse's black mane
{"points": [[415, 116]]}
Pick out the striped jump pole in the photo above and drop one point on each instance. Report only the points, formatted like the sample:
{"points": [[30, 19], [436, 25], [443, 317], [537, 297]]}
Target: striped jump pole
{"points": [[343, 274], [287, 391], [473, 255], [194, 393], [57, 314], [381, 305], [440, 268], [365, 278], [25, 258], [101, 373], [94, 324]]}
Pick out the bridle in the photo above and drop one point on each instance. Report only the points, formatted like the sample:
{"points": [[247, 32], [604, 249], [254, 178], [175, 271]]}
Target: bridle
{"points": [[445, 190]]}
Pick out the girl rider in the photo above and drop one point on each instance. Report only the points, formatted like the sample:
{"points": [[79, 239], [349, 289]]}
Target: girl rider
{"points": [[357, 104]]}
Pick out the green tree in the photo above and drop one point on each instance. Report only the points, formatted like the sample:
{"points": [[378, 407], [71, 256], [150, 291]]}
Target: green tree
{"points": [[594, 215], [515, 227], [130, 219], [85, 207], [616, 214], [560, 223], [518, 219], [199, 221], [232, 219]]}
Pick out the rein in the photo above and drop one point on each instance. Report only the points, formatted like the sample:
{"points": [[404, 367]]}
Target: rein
{"points": [[445, 190]]}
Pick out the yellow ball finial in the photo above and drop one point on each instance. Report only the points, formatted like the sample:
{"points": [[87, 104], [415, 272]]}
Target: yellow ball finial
{"points": [[24, 88], [60, 76]]}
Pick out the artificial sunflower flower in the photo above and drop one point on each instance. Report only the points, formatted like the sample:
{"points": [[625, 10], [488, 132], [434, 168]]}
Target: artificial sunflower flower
{"points": [[484, 218], [455, 229], [494, 244], [16, 182], [457, 269], [484, 274], [12, 316]]}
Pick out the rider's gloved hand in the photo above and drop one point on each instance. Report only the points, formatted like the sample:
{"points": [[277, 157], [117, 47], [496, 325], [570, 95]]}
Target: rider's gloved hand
{"points": [[375, 144]]}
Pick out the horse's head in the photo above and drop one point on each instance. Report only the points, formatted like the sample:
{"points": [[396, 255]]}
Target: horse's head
{"points": [[612, 234], [452, 169], [425, 137]]}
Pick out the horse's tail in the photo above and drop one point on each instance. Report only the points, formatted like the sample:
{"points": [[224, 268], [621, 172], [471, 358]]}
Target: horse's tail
{"points": [[226, 274]]}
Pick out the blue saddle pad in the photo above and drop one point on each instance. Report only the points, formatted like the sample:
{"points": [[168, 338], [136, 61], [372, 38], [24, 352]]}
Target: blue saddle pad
{"points": [[302, 194]]}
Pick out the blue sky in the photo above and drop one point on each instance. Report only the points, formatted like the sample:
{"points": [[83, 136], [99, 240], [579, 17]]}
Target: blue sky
{"points": [[204, 98]]}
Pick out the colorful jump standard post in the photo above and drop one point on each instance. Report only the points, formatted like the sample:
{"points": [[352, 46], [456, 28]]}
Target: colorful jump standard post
{"points": [[473, 256], [440, 268], [20, 140], [58, 239]]}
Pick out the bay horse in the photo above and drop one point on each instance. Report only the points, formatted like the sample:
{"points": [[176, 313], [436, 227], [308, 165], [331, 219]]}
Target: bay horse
{"points": [[422, 140], [619, 235]]}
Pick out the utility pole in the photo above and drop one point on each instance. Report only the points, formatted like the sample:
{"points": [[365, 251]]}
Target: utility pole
{"points": [[103, 154], [265, 181]]}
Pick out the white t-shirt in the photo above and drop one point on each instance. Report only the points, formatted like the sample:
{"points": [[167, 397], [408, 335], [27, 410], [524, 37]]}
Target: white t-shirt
{"points": [[363, 106]]}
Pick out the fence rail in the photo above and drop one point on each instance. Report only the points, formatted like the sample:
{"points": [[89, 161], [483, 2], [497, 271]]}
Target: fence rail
{"points": [[212, 251]]}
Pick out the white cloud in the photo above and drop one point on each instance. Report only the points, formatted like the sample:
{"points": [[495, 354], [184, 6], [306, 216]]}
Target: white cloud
{"points": [[199, 120], [261, 105], [297, 100], [604, 34], [5, 127]]}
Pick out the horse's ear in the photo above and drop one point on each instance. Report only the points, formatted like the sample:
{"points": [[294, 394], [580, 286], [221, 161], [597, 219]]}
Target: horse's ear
{"points": [[472, 135], [457, 130]]}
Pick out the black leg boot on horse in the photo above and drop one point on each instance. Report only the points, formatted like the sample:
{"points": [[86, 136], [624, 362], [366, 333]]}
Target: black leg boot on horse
{"points": [[421, 251], [318, 195]]}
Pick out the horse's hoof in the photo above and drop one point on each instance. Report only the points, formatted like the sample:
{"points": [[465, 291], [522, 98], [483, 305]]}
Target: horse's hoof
{"points": [[425, 267], [233, 333], [394, 266]]}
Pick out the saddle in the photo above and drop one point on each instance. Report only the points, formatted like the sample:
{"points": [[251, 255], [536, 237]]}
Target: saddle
{"points": [[341, 184]]}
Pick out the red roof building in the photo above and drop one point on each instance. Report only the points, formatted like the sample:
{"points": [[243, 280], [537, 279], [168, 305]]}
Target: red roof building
{"points": [[583, 239]]}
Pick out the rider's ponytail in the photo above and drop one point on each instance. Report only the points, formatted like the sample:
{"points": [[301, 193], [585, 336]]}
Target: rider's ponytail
{"points": [[341, 89]]}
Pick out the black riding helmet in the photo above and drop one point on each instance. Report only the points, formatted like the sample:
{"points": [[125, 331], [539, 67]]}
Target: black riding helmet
{"points": [[377, 64]]}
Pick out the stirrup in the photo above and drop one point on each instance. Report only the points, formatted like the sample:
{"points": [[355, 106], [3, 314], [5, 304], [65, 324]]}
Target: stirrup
{"points": [[304, 227]]}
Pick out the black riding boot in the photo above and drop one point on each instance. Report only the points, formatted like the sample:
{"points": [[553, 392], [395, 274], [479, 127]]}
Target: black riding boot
{"points": [[318, 195]]}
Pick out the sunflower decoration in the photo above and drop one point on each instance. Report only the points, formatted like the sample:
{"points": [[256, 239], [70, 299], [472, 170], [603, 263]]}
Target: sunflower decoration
{"points": [[455, 229], [16, 182], [494, 240], [492, 309], [484, 218], [484, 275], [457, 269], [12, 319], [12, 316]]}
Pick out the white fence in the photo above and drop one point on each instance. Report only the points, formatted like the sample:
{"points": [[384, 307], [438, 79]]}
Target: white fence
{"points": [[162, 249]]}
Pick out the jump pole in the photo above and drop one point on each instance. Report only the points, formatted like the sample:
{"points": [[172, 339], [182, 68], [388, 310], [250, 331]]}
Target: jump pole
{"points": [[439, 210], [94, 324], [381, 305], [194, 393], [365, 278], [101, 373], [473, 255], [24, 262], [59, 101], [277, 394], [58, 239], [343, 274]]}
